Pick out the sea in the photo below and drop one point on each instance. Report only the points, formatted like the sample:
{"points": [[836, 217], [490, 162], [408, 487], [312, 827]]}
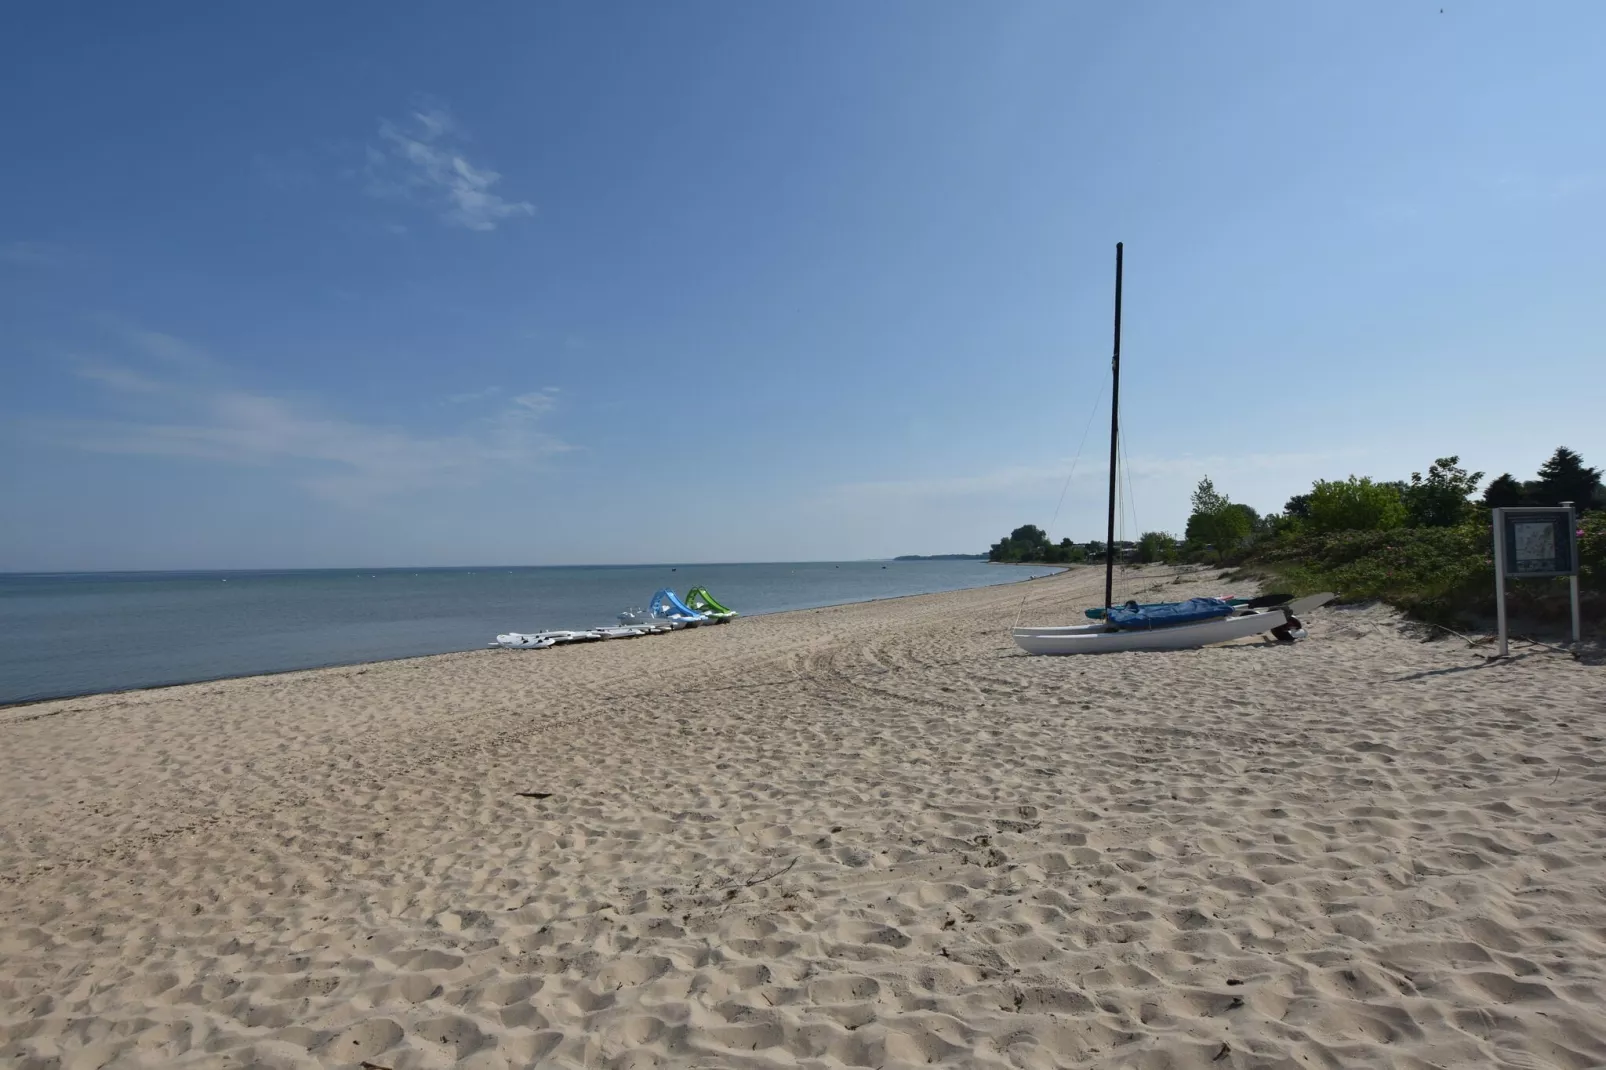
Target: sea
{"points": [[67, 634]]}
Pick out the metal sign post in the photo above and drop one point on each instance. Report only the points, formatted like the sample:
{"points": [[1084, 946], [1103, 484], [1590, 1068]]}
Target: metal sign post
{"points": [[1572, 581], [1500, 578], [1533, 544]]}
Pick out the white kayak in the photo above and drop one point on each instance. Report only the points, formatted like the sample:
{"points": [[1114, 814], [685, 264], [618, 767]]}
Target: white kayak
{"points": [[628, 631], [516, 641], [541, 640]]}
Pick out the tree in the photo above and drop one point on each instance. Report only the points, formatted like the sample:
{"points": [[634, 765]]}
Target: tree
{"points": [[1298, 507], [1206, 499], [1095, 550], [1440, 499], [1355, 504], [1564, 478], [1503, 492], [1156, 546], [1226, 529], [1029, 535], [1026, 543], [1257, 523], [1216, 521]]}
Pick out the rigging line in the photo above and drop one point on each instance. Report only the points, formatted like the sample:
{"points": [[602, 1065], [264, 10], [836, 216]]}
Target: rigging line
{"points": [[1131, 499], [1120, 496], [1132, 509], [1097, 401], [1066, 486], [1123, 499], [1128, 504]]}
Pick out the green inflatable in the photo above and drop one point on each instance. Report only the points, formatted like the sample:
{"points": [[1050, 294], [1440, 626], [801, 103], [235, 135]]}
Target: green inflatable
{"points": [[699, 599]]}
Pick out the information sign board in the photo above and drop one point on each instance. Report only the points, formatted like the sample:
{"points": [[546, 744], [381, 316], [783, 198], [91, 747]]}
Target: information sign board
{"points": [[1533, 544], [1540, 542]]}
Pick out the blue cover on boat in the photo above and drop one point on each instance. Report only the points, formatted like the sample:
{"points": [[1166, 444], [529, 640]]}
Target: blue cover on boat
{"points": [[667, 603], [1192, 611], [1097, 612]]}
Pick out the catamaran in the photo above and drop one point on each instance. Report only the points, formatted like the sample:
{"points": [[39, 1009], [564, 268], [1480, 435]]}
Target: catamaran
{"points": [[1165, 625]]}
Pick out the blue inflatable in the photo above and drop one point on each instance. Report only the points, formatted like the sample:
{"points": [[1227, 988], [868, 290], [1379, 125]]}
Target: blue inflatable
{"points": [[667, 604]]}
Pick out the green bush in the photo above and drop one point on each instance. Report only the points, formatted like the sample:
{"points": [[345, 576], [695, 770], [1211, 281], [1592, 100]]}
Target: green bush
{"points": [[1351, 537], [1156, 546], [1435, 573], [1592, 551], [1355, 504]]}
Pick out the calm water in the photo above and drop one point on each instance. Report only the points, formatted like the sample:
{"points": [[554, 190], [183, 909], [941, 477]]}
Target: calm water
{"points": [[73, 634]]}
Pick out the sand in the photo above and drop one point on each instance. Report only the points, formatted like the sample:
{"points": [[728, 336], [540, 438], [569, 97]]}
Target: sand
{"points": [[870, 835]]}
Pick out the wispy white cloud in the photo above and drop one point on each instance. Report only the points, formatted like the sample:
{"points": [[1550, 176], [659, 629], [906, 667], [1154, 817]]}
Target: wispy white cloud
{"points": [[31, 253], [294, 169], [170, 350], [334, 457], [421, 158], [1039, 477], [539, 402], [991, 481], [117, 378], [1535, 186], [473, 395]]}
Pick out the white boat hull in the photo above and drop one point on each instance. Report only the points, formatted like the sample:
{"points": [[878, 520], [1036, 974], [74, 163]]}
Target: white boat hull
{"points": [[1099, 638], [634, 617], [542, 640], [518, 641], [628, 631], [1293, 609]]}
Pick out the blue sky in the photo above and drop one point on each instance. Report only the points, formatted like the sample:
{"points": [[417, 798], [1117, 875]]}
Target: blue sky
{"points": [[304, 285]]}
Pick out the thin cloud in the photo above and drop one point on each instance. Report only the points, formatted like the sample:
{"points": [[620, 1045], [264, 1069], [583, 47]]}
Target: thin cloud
{"points": [[1532, 186], [473, 395], [420, 159], [117, 378], [170, 350], [1014, 477], [292, 170], [539, 402], [1032, 477], [31, 254], [335, 458]]}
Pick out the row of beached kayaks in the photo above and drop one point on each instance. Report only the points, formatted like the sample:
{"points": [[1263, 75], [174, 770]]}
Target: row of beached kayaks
{"points": [[666, 612]]}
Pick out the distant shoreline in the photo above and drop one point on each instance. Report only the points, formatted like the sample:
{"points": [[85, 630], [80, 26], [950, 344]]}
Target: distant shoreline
{"points": [[940, 557]]}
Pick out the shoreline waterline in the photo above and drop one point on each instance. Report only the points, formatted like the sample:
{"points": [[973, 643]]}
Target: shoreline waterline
{"points": [[338, 663]]}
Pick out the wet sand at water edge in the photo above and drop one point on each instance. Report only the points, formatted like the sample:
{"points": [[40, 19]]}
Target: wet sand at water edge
{"points": [[871, 835]]}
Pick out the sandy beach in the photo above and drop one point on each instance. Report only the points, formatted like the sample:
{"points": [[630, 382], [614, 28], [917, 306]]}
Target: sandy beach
{"points": [[872, 835]]}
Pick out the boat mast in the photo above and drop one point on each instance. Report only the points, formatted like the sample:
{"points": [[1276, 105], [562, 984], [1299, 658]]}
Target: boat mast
{"points": [[1115, 428]]}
